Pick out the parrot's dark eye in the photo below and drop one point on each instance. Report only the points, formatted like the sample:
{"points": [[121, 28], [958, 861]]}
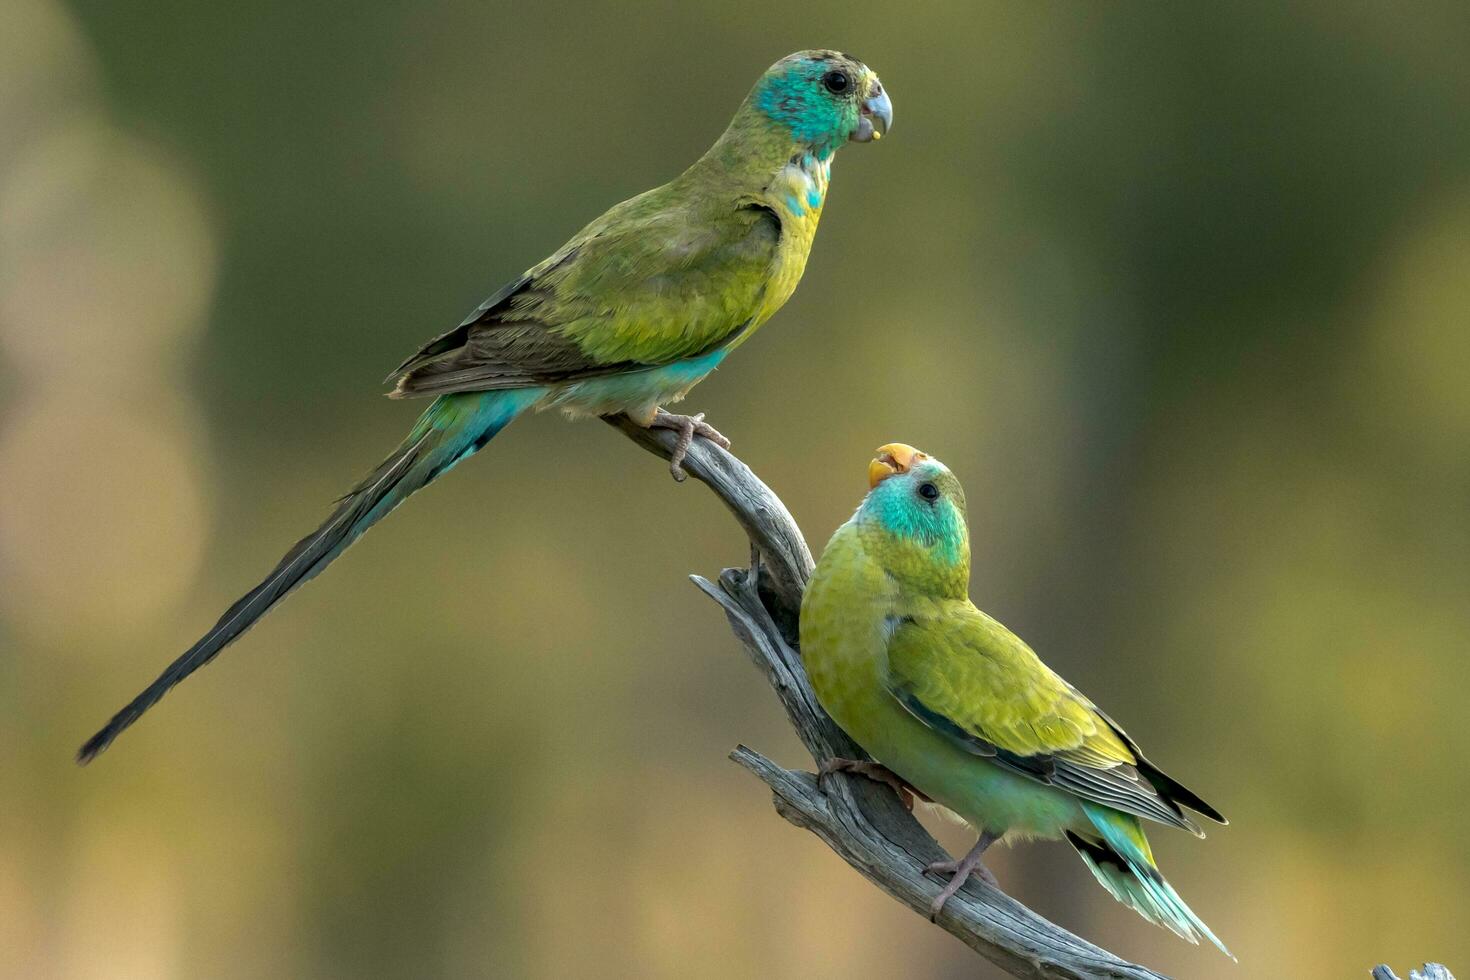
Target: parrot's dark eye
{"points": [[836, 82], [928, 491]]}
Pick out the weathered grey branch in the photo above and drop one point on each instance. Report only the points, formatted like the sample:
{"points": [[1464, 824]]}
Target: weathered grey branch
{"points": [[1431, 971], [859, 819]]}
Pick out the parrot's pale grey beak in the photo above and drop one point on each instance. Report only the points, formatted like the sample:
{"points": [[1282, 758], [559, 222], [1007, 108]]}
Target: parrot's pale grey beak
{"points": [[876, 117]]}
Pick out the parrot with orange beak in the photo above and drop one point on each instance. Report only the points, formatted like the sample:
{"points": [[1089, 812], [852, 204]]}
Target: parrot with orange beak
{"points": [[958, 710]]}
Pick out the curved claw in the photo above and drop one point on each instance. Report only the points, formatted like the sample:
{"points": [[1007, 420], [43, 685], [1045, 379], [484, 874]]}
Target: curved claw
{"points": [[960, 872], [688, 426]]}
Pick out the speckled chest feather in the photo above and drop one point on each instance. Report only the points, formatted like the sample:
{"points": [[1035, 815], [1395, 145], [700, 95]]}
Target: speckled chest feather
{"points": [[796, 193]]}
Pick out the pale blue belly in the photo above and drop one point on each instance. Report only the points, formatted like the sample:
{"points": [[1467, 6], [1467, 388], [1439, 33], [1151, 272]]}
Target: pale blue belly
{"points": [[636, 392], [986, 795]]}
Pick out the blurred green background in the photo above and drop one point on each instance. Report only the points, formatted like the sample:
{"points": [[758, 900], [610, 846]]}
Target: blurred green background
{"points": [[1181, 291]]}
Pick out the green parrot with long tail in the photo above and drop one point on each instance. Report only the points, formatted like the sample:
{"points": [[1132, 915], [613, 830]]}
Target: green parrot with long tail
{"points": [[626, 317], [956, 709]]}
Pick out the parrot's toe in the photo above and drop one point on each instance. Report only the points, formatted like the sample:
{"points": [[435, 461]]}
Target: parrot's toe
{"points": [[954, 867], [878, 773], [688, 426], [960, 872]]}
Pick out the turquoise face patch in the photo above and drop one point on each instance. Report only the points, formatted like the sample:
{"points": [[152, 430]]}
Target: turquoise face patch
{"points": [[939, 526], [797, 99]]}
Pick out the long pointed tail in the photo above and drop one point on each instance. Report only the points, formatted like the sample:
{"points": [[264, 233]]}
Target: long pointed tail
{"points": [[453, 427], [1122, 861]]}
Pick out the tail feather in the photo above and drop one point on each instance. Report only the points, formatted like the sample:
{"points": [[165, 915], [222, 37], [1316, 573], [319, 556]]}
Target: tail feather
{"points": [[454, 427], [1122, 861]]}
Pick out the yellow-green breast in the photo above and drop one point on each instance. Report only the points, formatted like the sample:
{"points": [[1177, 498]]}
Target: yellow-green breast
{"points": [[796, 194], [847, 615]]}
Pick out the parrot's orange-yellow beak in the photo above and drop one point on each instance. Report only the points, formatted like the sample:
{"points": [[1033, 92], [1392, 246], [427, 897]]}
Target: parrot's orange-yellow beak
{"points": [[892, 459]]}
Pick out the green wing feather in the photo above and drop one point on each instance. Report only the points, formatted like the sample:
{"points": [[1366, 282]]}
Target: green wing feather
{"points": [[670, 274], [974, 681]]}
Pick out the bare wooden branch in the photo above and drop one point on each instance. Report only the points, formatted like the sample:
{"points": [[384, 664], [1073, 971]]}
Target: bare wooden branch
{"points": [[1430, 971], [862, 821]]}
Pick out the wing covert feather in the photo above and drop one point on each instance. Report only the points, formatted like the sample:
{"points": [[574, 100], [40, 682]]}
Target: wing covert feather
{"points": [[641, 287], [965, 675]]}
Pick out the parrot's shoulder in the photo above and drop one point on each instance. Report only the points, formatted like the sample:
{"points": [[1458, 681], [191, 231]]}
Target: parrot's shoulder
{"points": [[847, 572], [679, 211], [968, 636], [964, 674], [676, 235], [848, 587], [991, 682]]}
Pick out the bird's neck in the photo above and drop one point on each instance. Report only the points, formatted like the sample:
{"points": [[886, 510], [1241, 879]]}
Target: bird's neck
{"points": [[937, 567], [761, 157]]}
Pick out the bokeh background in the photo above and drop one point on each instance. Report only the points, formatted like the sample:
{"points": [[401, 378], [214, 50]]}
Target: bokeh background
{"points": [[1180, 290]]}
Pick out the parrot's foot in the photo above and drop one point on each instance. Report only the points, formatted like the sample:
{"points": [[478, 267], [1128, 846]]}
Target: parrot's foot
{"points": [[688, 426], [960, 872], [878, 773]]}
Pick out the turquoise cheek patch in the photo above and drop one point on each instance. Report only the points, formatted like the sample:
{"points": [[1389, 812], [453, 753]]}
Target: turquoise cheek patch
{"points": [[795, 100]]}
